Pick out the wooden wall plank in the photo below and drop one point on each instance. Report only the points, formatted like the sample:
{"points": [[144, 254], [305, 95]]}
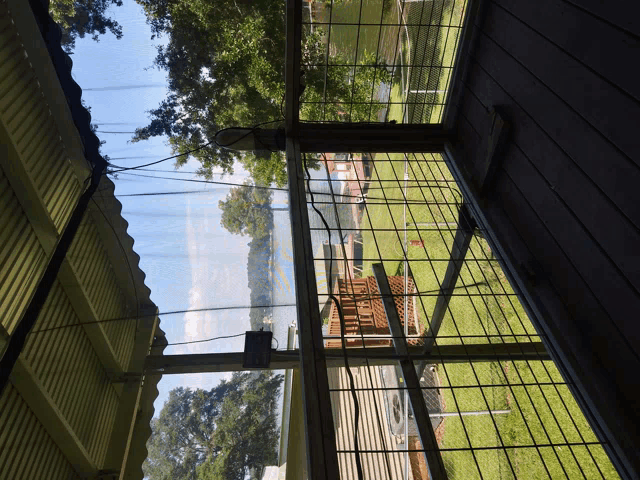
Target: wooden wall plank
{"points": [[605, 346], [592, 153], [602, 250], [581, 258], [559, 167], [610, 112], [622, 14], [601, 46]]}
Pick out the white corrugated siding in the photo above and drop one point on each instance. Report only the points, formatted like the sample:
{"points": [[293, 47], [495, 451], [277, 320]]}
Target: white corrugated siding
{"points": [[373, 431], [72, 374], [22, 259], [27, 452], [95, 273], [27, 118]]}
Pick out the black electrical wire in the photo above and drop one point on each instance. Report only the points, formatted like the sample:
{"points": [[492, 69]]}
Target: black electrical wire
{"points": [[233, 184], [206, 339], [122, 169], [356, 405], [213, 182], [148, 194], [160, 314], [109, 131], [180, 172], [249, 132]]}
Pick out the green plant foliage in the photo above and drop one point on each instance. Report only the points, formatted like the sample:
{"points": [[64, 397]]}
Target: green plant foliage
{"points": [[350, 90], [225, 65], [78, 18], [247, 211], [228, 432]]}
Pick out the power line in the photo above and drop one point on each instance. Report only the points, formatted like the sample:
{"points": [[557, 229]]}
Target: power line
{"points": [[177, 172], [149, 194], [109, 131], [232, 184], [164, 171], [206, 339], [249, 132], [122, 169], [162, 314], [214, 182], [124, 87], [128, 158], [95, 122]]}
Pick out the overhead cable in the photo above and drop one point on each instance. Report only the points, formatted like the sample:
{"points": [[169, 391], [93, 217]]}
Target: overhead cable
{"points": [[161, 314], [249, 132], [214, 182]]}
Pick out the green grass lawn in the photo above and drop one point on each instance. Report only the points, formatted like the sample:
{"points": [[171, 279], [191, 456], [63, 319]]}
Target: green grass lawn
{"points": [[539, 415]]}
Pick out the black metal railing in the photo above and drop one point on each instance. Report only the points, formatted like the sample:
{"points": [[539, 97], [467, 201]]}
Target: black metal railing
{"points": [[376, 60], [507, 418]]}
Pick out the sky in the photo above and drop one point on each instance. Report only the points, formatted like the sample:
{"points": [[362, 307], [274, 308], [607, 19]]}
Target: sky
{"points": [[190, 260]]}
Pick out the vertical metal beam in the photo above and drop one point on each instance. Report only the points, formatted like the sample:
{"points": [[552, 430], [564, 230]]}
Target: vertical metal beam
{"points": [[461, 243], [322, 455], [125, 418], [321, 443], [411, 379]]}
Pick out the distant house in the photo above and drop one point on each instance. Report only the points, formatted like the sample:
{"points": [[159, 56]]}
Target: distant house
{"points": [[364, 313], [353, 168], [77, 404], [332, 202]]}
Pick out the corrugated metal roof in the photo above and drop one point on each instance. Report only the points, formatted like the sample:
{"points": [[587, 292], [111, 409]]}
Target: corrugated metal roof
{"points": [[132, 280]]}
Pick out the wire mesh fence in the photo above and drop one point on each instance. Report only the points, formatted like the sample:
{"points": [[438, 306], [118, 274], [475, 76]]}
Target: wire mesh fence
{"points": [[373, 60], [507, 414]]}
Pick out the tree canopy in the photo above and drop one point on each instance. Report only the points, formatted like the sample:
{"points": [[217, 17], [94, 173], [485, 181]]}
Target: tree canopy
{"points": [[223, 433], [225, 65], [247, 211], [78, 18]]}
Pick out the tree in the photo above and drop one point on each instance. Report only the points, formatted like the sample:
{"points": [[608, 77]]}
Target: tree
{"points": [[247, 211], [78, 18], [181, 435], [216, 434], [246, 435], [350, 90], [225, 65]]}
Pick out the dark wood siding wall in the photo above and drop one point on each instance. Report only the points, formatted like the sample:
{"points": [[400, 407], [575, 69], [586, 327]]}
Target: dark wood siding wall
{"points": [[565, 202]]}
